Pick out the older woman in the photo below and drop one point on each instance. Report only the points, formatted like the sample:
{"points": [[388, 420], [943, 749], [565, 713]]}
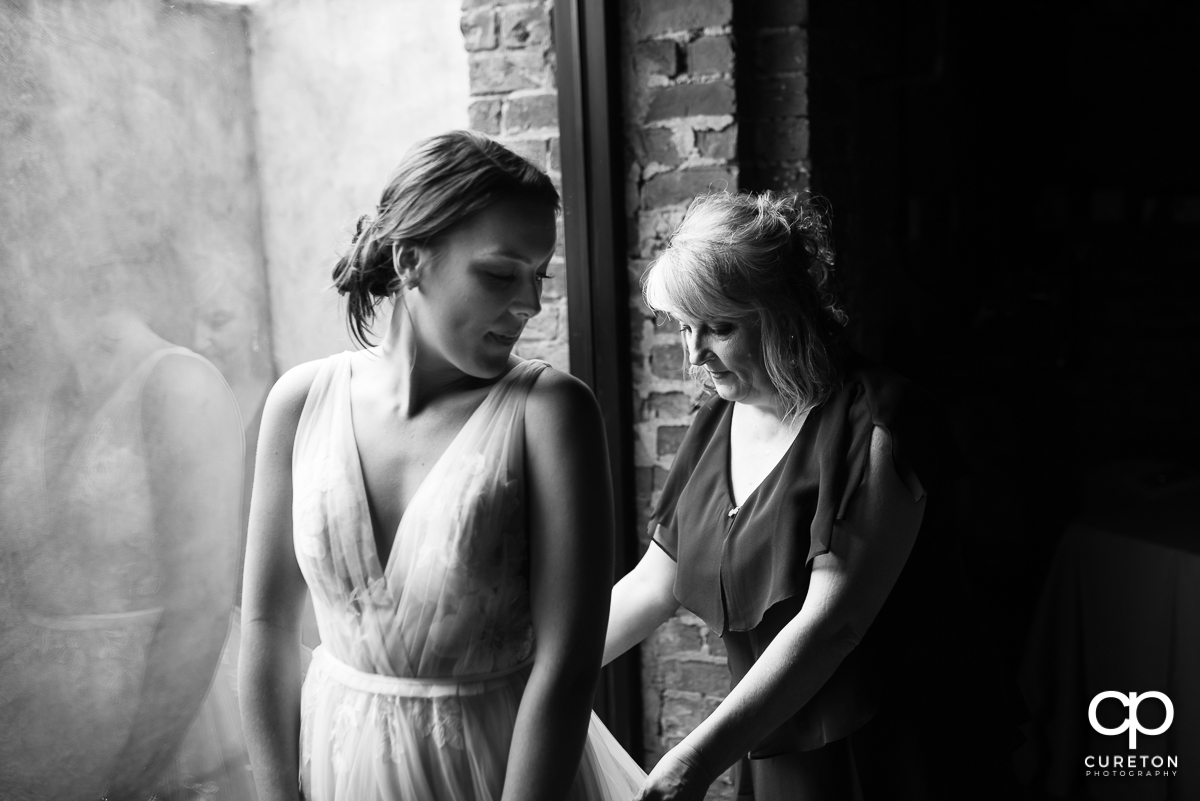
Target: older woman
{"points": [[808, 521]]}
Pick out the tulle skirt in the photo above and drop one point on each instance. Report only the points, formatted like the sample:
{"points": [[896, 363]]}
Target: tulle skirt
{"points": [[366, 737]]}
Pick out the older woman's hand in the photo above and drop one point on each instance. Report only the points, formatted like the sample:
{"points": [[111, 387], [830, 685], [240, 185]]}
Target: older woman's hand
{"points": [[681, 775]]}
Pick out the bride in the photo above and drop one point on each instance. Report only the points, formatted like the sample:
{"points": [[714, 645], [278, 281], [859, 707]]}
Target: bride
{"points": [[448, 506]]}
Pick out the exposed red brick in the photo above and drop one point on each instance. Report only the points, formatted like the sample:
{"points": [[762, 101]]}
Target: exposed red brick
{"points": [[555, 286], [543, 326], [671, 405], [531, 111], [659, 57], [716, 646], [705, 678], [675, 637], [680, 186], [667, 439], [710, 54], [663, 16], [532, 149], [691, 99], [554, 351], [525, 27], [718, 144], [682, 714], [656, 146], [485, 116], [643, 481], [660, 478], [479, 30], [636, 269], [505, 71], [642, 523]]}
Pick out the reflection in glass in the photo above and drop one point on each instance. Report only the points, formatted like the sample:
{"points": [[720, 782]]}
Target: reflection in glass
{"points": [[128, 253]]}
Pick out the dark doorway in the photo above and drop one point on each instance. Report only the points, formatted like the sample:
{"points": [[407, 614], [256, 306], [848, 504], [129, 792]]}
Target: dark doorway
{"points": [[1016, 198]]}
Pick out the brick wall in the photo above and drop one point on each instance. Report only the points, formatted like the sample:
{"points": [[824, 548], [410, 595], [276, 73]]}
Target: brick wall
{"points": [[681, 139], [772, 90], [679, 100], [510, 49]]}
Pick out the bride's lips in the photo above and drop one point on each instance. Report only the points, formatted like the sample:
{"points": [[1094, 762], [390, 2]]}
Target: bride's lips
{"points": [[505, 339]]}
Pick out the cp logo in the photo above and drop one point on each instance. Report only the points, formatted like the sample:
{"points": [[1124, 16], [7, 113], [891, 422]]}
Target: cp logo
{"points": [[1131, 723]]}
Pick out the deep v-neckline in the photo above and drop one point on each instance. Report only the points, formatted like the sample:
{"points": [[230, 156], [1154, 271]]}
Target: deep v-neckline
{"points": [[726, 436], [384, 565]]}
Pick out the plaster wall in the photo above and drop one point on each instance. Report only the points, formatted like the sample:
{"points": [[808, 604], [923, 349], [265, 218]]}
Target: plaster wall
{"points": [[127, 160], [342, 88], [129, 222]]}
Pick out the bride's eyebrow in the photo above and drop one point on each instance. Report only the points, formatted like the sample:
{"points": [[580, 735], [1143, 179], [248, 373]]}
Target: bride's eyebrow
{"points": [[503, 253]]}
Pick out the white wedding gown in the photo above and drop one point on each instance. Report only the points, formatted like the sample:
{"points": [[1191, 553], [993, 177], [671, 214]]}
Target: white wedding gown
{"points": [[414, 690]]}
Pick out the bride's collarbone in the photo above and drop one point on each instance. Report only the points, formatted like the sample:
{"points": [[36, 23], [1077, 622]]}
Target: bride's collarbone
{"points": [[398, 452]]}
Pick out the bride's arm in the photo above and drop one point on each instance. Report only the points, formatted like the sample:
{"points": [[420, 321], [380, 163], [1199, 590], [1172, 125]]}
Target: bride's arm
{"points": [[273, 600], [571, 561]]}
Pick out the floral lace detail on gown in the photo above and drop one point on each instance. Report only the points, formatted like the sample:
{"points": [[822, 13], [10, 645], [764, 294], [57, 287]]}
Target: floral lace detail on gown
{"points": [[414, 690]]}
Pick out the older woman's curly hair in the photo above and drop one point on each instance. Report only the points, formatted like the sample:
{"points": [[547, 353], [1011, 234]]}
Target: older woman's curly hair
{"points": [[764, 259]]}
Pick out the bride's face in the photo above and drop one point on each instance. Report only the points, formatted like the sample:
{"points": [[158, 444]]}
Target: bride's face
{"points": [[481, 284]]}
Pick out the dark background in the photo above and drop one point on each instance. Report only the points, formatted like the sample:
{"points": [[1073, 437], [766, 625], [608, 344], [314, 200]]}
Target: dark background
{"points": [[1016, 200]]}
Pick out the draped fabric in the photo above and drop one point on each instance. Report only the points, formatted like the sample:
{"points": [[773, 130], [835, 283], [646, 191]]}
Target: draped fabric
{"points": [[415, 688]]}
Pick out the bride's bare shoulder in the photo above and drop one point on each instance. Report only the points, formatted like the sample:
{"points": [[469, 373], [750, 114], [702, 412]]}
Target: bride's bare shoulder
{"points": [[557, 393], [287, 397], [560, 409]]}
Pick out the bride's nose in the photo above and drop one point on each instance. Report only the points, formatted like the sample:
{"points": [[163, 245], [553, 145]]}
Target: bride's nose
{"points": [[528, 301]]}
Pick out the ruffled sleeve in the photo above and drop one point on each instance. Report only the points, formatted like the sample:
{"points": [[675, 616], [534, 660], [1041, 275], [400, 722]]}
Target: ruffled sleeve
{"points": [[663, 528], [736, 562], [924, 453]]}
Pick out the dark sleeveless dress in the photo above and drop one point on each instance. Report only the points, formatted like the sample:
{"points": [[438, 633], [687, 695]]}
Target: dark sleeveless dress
{"points": [[919, 710]]}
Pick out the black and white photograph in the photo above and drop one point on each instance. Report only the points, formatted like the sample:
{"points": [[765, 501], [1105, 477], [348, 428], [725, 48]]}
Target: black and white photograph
{"points": [[599, 400]]}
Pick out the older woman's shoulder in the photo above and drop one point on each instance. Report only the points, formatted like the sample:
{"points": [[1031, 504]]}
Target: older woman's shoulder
{"points": [[873, 396], [882, 391]]}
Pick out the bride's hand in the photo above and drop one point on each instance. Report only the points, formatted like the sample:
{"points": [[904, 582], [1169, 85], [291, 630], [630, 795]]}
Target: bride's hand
{"points": [[680, 775]]}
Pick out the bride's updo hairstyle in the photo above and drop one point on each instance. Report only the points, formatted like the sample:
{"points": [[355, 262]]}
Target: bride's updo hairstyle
{"points": [[765, 260], [441, 181]]}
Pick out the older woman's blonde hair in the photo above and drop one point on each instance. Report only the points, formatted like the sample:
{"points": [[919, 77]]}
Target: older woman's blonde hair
{"points": [[761, 259]]}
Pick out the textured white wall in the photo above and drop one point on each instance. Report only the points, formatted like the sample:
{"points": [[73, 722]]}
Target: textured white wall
{"points": [[341, 89]]}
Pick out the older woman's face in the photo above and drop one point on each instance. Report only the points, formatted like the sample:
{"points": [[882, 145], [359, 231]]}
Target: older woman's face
{"points": [[731, 353]]}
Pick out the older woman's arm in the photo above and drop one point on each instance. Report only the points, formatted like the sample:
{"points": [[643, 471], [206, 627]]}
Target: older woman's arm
{"points": [[641, 602], [848, 587]]}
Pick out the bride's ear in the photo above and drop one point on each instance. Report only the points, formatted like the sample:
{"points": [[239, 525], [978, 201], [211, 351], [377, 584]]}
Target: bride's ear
{"points": [[409, 260]]}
